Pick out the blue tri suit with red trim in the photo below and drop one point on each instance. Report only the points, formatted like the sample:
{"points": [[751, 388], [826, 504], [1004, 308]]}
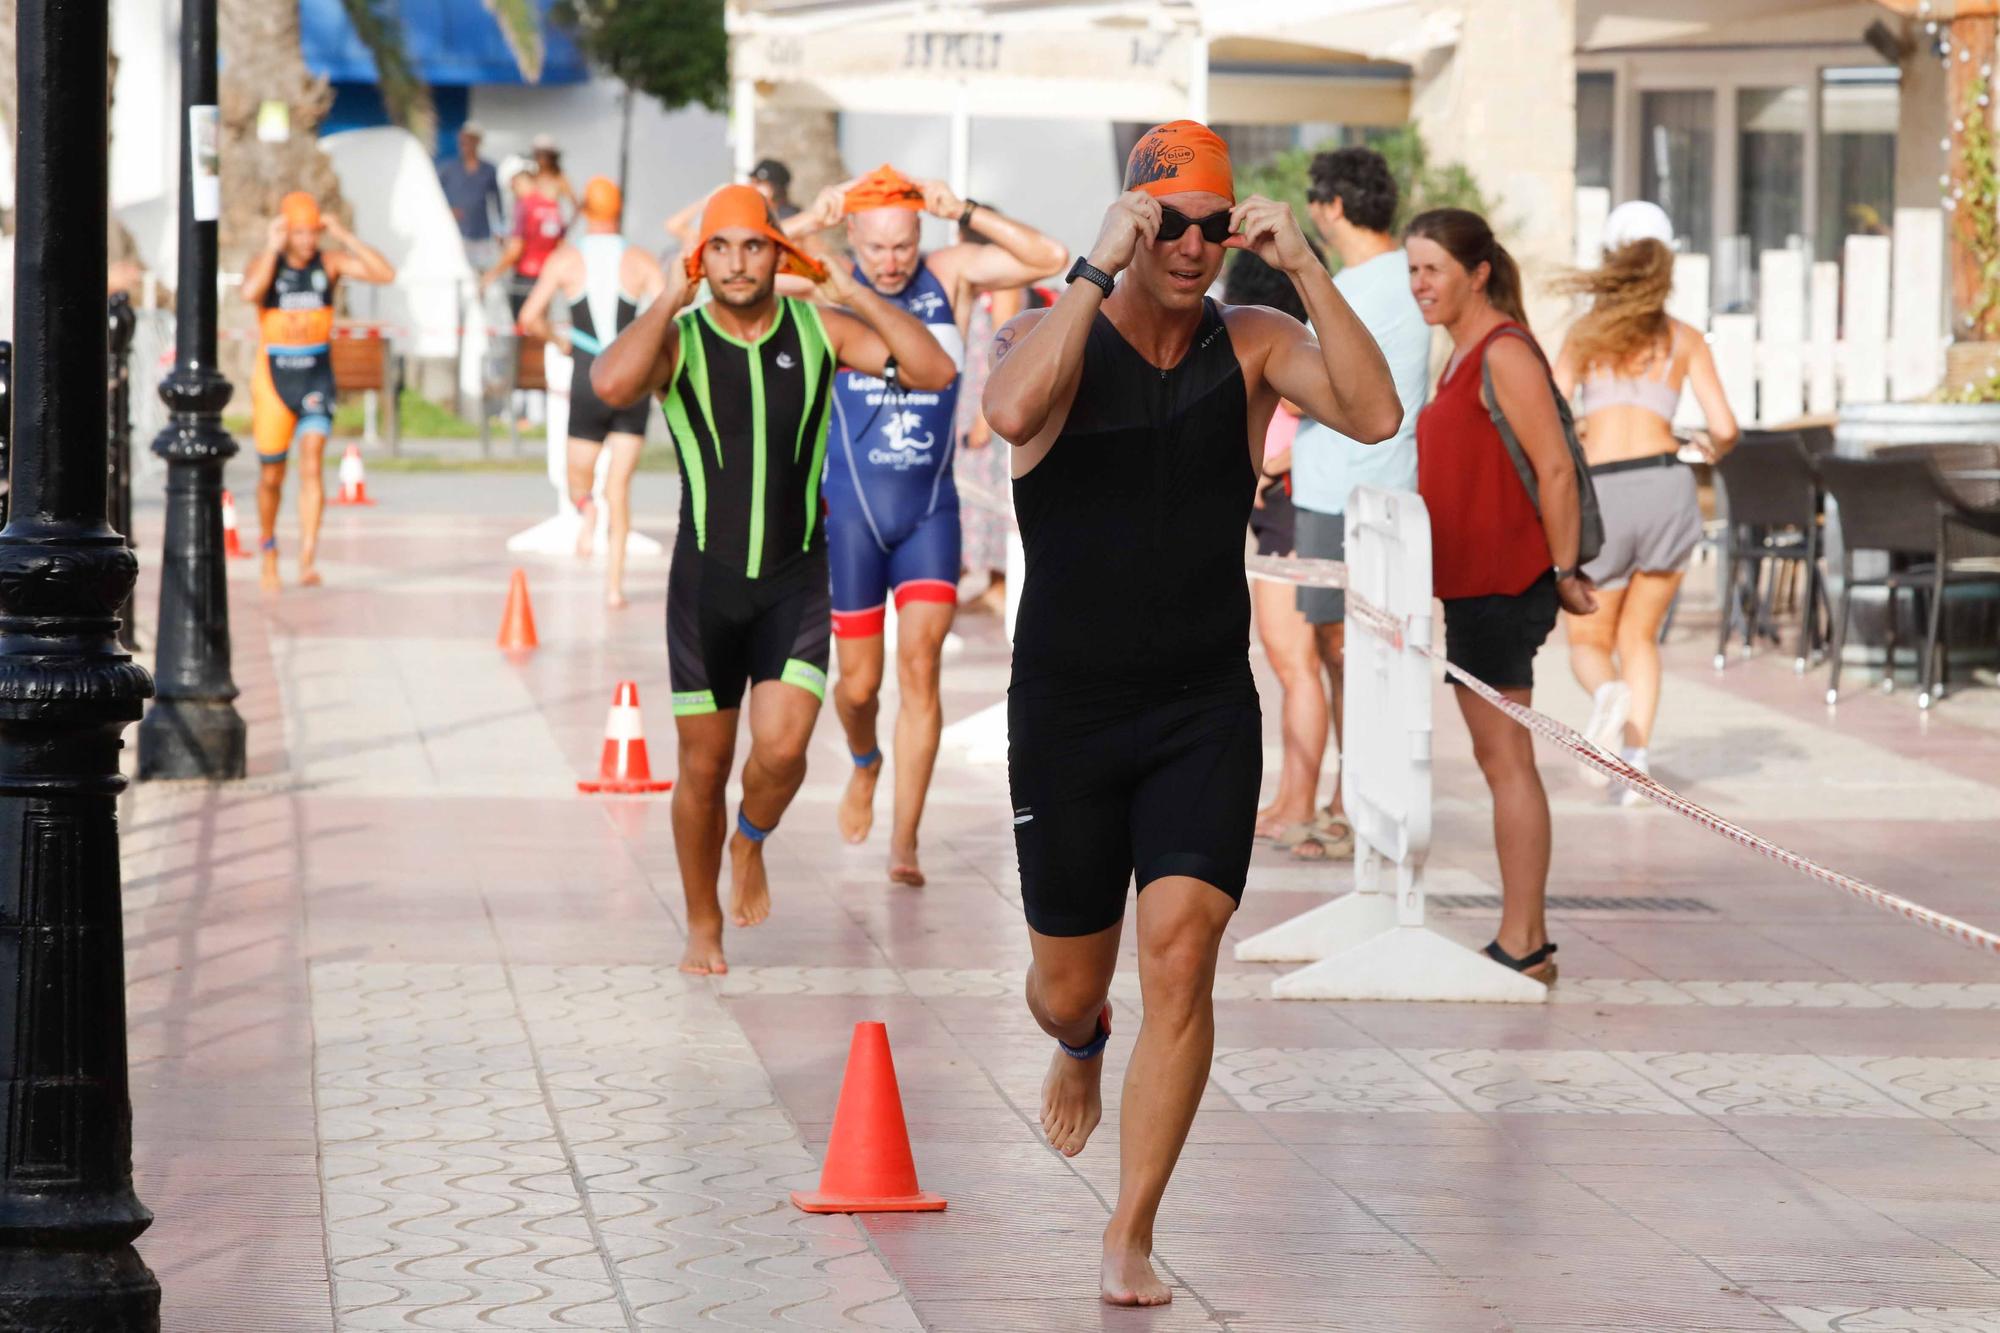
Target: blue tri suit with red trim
{"points": [[891, 504]]}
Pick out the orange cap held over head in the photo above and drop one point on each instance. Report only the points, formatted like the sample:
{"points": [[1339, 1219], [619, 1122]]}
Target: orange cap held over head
{"points": [[299, 209], [601, 199], [1180, 156], [884, 187], [740, 206]]}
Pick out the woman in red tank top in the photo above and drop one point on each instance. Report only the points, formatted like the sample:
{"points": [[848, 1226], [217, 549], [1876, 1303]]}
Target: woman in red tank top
{"points": [[1500, 567]]}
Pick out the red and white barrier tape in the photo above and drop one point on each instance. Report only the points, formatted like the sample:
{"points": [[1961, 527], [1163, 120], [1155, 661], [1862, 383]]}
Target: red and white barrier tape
{"points": [[1333, 574]]}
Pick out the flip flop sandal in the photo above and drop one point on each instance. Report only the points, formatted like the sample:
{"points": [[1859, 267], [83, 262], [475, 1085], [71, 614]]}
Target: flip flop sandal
{"points": [[1336, 844], [1539, 965], [1290, 836]]}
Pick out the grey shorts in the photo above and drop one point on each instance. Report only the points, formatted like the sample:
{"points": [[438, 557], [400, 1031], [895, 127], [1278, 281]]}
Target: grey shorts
{"points": [[1652, 522], [1322, 537]]}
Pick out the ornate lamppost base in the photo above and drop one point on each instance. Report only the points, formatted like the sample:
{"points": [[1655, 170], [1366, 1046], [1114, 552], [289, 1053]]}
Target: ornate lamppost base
{"points": [[69, 1291]]}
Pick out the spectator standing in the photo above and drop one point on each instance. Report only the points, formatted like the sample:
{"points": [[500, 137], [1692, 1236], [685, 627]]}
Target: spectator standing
{"points": [[538, 230], [1352, 200], [1501, 569], [472, 188], [1282, 629], [773, 179], [549, 180]]}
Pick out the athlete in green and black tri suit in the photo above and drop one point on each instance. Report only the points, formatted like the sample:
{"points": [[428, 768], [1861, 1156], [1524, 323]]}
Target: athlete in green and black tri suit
{"points": [[745, 383]]}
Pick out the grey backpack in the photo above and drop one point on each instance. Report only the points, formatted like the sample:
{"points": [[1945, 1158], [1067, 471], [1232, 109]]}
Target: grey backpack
{"points": [[1590, 540]]}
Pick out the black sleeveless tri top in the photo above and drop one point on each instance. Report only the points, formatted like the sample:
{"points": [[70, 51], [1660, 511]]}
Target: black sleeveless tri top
{"points": [[1133, 523]]}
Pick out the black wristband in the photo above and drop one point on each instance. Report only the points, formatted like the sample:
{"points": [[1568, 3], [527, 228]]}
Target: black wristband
{"points": [[965, 218], [1089, 272]]}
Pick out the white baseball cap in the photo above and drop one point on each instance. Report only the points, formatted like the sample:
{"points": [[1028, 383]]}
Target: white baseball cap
{"points": [[1637, 220]]}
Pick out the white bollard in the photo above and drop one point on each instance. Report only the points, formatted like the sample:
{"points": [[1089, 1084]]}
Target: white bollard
{"points": [[1372, 944]]}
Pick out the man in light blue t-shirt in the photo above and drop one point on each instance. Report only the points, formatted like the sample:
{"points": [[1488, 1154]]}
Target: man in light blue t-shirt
{"points": [[1352, 201]]}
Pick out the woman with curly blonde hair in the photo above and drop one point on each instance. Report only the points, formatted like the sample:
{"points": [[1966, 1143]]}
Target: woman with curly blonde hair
{"points": [[1624, 365]]}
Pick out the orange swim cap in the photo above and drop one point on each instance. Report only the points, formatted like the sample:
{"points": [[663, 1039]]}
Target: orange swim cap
{"points": [[601, 199], [1179, 156], [884, 187], [300, 209], [741, 206]]}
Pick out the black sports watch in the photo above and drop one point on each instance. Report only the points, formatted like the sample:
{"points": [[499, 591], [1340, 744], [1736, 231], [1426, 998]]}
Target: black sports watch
{"points": [[1089, 272], [965, 218]]}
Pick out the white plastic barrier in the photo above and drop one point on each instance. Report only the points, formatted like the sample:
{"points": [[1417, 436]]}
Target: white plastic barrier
{"points": [[1372, 944], [556, 535]]}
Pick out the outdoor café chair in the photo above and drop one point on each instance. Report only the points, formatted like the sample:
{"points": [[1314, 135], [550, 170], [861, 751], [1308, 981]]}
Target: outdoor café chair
{"points": [[1771, 496]]}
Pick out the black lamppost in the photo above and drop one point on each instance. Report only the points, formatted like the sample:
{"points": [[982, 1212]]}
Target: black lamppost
{"points": [[193, 729], [68, 1214]]}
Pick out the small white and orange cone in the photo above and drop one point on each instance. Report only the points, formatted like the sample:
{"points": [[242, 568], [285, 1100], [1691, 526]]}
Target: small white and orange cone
{"points": [[232, 540], [353, 479], [624, 770]]}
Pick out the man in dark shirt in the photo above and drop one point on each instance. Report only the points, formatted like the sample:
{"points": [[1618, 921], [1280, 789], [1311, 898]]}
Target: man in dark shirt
{"points": [[473, 191]]}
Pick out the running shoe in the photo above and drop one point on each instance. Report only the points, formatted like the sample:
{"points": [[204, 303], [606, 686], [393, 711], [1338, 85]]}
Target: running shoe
{"points": [[1637, 758], [1609, 708]]}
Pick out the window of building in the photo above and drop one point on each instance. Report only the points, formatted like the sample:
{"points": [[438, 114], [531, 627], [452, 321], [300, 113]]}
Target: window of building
{"points": [[1596, 100], [1771, 126], [1677, 162], [1857, 155]]}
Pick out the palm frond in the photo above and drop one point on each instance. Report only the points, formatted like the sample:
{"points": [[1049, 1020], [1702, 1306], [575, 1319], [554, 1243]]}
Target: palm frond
{"points": [[404, 93], [521, 26]]}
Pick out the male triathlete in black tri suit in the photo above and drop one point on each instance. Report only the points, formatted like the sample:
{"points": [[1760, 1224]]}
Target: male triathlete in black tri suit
{"points": [[746, 382], [606, 282], [1135, 743]]}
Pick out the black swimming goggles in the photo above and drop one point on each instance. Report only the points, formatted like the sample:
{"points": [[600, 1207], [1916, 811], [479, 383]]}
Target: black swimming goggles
{"points": [[1174, 224]]}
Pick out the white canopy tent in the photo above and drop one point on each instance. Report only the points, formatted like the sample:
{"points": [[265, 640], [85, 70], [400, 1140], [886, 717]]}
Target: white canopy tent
{"points": [[1273, 62]]}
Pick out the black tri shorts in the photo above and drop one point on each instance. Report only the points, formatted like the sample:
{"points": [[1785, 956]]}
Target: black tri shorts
{"points": [[1108, 785], [590, 417], [725, 630]]}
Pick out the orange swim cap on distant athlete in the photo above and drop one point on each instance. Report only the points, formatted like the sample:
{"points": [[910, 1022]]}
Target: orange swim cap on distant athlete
{"points": [[1180, 156], [884, 187], [300, 209], [741, 206], [601, 199]]}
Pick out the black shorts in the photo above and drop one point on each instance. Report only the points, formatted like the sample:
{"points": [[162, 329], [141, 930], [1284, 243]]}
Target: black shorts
{"points": [[590, 417], [724, 630], [1105, 787], [1322, 537], [1496, 638], [1272, 525]]}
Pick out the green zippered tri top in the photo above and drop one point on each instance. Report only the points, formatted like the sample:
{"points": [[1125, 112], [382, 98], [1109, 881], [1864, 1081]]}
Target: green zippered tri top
{"points": [[749, 421]]}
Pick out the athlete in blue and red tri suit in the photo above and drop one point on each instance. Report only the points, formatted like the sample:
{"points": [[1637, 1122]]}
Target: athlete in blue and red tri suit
{"points": [[891, 505]]}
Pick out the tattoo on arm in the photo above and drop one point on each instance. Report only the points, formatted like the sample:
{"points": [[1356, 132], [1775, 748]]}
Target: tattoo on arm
{"points": [[1003, 343]]}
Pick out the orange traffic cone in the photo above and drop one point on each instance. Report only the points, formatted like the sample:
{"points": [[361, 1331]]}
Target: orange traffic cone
{"points": [[353, 479], [232, 540], [517, 626], [624, 770], [868, 1164]]}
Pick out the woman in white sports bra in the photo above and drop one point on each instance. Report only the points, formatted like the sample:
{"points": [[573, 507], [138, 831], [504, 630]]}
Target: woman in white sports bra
{"points": [[1624, 365]]}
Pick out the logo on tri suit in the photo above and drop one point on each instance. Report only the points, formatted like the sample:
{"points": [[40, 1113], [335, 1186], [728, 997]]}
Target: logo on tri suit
{"points": [[905, 450], [924, 305], [785, 361]]}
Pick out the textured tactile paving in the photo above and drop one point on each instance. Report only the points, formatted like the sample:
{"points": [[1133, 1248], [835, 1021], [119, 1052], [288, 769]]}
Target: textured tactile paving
{"points": [[567, 1147]]}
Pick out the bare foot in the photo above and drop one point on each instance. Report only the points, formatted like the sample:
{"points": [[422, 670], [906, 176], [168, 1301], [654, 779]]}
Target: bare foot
{"points": [[903, 868], [749, 891], [267, 573], [1071, 1102], [703, 955], [586, 528], [616, 600], [857, 803], [1128, 1276], [308, 577]]}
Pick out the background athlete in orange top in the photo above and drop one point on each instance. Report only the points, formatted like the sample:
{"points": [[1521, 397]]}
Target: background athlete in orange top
{"points": [[291, 282]]}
